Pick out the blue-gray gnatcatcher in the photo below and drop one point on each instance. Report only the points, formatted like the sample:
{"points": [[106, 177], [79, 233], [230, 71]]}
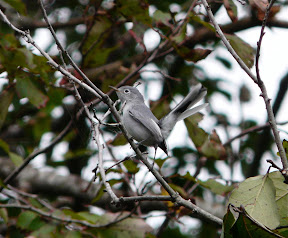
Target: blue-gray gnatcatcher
{"points": [[144, 127]]}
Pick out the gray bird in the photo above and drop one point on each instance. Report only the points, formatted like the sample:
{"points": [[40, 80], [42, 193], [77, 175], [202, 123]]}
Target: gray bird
{"points": [[144, 127]]}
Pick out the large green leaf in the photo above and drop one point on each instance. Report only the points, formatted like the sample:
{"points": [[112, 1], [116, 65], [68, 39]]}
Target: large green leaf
{"points": [[258, 196]]}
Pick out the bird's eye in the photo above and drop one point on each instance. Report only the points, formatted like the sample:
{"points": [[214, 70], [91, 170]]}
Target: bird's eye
{"points": [[126, 91]]}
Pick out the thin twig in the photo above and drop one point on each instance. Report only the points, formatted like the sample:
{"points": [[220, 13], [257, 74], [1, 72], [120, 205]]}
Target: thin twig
{"points": [[247, 131], [145, 198]]}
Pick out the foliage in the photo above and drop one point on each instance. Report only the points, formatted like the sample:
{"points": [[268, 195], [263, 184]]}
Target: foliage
{"points": [[41, 112]]}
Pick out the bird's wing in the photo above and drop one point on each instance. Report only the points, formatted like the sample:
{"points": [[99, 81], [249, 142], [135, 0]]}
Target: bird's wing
{"points": [[143, 115]]}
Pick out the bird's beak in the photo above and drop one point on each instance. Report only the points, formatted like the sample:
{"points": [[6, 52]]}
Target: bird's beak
{"points": [[116, 89]]}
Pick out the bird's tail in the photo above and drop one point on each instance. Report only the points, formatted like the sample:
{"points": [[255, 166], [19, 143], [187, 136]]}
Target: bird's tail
{"points": [[183, 109]]}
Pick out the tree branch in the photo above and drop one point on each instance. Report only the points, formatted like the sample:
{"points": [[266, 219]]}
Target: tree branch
{"points": [[61, 218], [262, 86], [256, 80]]}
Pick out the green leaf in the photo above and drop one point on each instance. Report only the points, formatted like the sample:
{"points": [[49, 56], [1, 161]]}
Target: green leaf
{"points": [[258, 195], [27, 88], [208, 145], [160, 162], [178, 189], [135, 11], [228, 222], [285, 145], [29, 221], [101, 191], [98, 56], [192, 55], [162, 17], [231, 9], [4, 146], [160, 108], [16, 159], [118, 140], [99, 194], [45, 231], [243, 49], [131, 166], [87, 216], [282, 231], [6, 98], [25, 219], [224, 61], [2, 184], [197, 134], [198, 20], [4, 215], [216, 187], [246, 226], [18, 5], [73, 234], [128, 228], [281, 196]]}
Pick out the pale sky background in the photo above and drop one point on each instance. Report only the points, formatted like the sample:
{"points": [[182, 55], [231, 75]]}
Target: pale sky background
{"points": [[273, 66]]}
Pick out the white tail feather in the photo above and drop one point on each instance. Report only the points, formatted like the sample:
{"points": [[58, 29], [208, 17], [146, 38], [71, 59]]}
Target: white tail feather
{"points": [[191, 111]]}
